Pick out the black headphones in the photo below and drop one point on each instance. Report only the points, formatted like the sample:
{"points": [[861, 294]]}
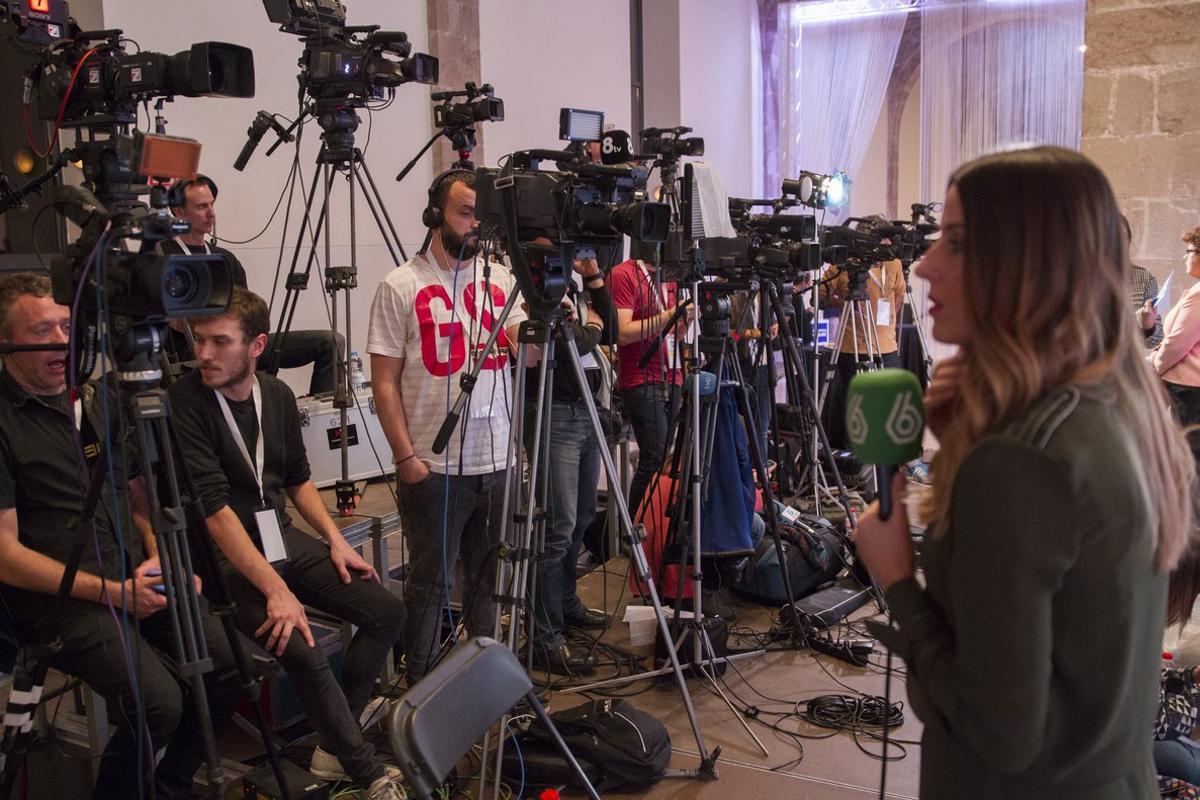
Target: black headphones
{"points": [[434, 215], [177, 193]]}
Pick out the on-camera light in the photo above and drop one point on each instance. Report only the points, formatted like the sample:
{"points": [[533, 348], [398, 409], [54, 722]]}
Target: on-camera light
{"points": [[820, 191]]}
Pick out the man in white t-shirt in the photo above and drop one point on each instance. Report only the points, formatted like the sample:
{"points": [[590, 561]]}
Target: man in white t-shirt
{"points": [[429, 320]]}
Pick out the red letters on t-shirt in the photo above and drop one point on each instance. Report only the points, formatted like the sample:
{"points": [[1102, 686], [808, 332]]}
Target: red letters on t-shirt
{"points": [[433, 302]]}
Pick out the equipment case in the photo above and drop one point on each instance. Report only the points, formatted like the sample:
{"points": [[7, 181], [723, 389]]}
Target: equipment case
{"points": [[321, 427]]}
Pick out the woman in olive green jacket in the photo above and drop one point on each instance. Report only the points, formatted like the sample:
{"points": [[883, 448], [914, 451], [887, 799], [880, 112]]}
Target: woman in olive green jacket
{"points": [[1059, 501]]}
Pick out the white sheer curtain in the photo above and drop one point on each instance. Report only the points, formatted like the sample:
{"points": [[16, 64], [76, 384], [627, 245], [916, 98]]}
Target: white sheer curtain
{"points": [[995, 74], [833, 78]]}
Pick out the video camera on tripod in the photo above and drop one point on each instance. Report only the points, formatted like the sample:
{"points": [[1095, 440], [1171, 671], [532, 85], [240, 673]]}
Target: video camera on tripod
{"points": [[671, 143], [344, 62], [141, 290], [577, 207], [458, 119], [88, 72], [869, 240], [86, 80]]}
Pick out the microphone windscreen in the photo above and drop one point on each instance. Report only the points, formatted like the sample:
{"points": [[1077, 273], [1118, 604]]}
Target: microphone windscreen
{"points": [[708, 383], [616, 148], [885, 417]]}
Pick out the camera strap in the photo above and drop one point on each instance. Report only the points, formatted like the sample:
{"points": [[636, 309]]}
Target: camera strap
{"points": [[269, 529]]}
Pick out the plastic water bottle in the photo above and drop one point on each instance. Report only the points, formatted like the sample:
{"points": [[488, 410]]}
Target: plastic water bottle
{"points": [[357, 379]]}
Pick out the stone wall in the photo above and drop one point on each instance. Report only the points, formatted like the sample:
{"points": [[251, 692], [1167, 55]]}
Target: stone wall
{"points": [[1141, 118]]}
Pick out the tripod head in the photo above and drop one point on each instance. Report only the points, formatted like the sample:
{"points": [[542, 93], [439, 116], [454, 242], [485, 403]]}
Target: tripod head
{"points": [[338, 120]]}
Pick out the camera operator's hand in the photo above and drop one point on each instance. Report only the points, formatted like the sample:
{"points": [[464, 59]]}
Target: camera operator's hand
{"points": [[685, 319], [140, 595], [943, 392], [414, 470], [1147, 316], [284, 616], [586, 267]]}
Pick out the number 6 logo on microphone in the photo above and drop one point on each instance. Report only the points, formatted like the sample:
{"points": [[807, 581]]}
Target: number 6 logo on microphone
{"points": [[857, 427], [905, 421]]}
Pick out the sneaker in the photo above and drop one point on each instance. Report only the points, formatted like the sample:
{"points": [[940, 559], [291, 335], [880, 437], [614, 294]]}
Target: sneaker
{"points": [[385, 789], [325, 766]]}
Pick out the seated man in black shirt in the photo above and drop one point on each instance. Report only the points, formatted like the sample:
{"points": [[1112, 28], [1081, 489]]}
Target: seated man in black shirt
{"points": [[240, 434], [114, 613], [196, 201]]}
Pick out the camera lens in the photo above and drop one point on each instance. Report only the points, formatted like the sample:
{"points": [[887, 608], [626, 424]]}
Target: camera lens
{"points": [[179, 283]]}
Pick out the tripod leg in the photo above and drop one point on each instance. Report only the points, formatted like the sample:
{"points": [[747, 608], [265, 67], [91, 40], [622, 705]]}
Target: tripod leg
{"points": [[382, 211], [544, 718], [809, 399], [221, 603], [297, 280], [148, 411], [638, 554]]}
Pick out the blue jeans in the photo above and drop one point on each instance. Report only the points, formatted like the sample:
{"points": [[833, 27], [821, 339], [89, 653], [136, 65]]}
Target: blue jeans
{"points": [[646, 408], [762, 398], [1174, 759], [441, 516], [574, 474]]}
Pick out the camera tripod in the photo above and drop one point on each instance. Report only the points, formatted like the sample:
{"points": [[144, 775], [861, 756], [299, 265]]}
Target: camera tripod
{"points": [[859, 325], [548, 331], [338, 155], [148, 408], [802, 395]]}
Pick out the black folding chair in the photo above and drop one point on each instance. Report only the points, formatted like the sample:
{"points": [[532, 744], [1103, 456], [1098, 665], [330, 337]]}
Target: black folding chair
{"points": [[437, 721]]}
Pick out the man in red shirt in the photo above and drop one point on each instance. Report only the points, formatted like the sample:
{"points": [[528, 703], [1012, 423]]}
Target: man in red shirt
{"points": [[644, 306]]}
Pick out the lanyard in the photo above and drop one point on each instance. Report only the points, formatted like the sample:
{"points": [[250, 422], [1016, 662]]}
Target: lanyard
{"points": [[256, 465], [882, 283], [187, 250]]}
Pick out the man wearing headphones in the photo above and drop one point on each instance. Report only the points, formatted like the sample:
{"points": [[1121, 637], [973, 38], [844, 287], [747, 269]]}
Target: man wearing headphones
{"points": [[429, 321], [195, 201]]}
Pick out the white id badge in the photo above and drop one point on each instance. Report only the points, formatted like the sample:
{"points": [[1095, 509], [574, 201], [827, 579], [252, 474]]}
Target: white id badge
{"points": [[883, 312], [672, 354], [271, 535]]}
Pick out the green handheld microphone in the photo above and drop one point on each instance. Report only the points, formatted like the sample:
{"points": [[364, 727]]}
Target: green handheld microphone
{"points": [[885, 421]]}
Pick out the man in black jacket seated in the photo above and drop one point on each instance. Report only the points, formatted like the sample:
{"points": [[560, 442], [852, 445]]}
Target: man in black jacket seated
{"points": [[115, 613], [196, 201], [240, 434]]}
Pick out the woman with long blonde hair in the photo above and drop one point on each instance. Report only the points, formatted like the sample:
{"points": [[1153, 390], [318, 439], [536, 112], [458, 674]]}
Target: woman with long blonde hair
{"points": [[1060, 498]]}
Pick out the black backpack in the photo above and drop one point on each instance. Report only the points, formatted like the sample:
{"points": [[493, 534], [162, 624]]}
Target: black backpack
{"points": [[611, 739]]}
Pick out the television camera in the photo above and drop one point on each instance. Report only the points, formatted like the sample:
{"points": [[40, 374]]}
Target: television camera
{"points": [[575, 208], [348, 63]]}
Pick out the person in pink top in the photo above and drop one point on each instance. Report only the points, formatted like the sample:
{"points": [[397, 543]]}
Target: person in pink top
{"points": [[1177, 357]]}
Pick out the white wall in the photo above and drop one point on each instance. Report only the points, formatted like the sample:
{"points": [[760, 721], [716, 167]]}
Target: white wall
{"points": [[542, 55], [716, 90]]}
